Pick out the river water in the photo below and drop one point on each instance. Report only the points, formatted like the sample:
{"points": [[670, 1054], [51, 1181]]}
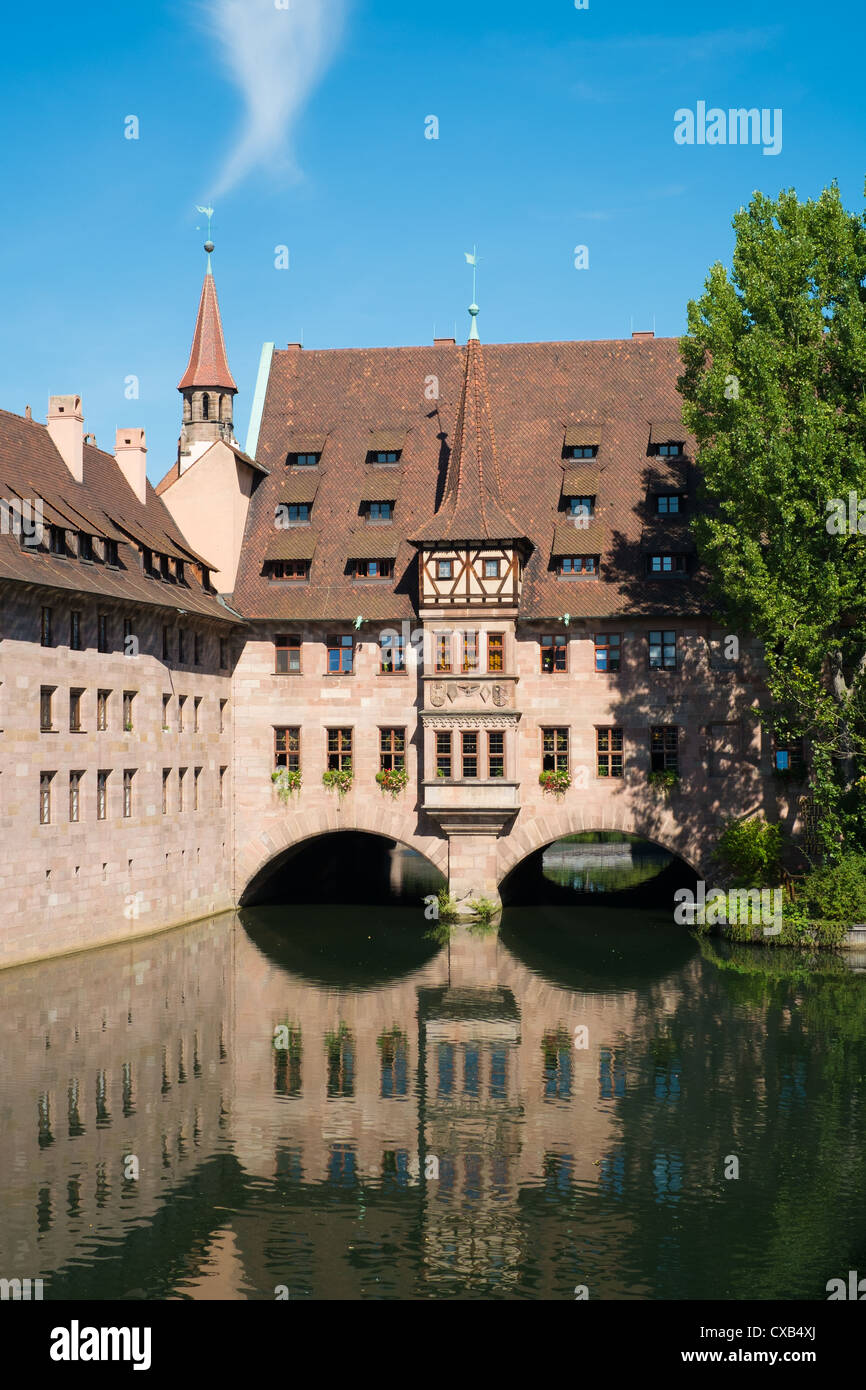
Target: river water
{"points": [[334, 1103]]}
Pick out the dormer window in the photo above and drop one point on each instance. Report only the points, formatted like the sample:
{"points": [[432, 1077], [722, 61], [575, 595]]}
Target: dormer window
{"points": [[299, 513], [180, 573], [582, 451], [302, 460], [147, 561], [85, 546], [58, 540], [384, 457], [444, 569], [289, 569], [669, 503], [380, 511], [491, 568], [581, 506], [111, 556], [374, 569], [164, 569], [668, 450], [666, 564], [582, 566]]}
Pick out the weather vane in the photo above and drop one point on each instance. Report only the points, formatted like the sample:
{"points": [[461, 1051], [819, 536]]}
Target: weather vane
{"points": [[473, 259], [208, 212]]}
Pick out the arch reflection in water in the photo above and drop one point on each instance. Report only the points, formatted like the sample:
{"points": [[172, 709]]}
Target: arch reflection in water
{"points": [[330, 1102]]}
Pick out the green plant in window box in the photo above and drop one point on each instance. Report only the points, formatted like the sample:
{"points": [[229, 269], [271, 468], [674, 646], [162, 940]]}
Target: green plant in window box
{"points": [[665, 778], [128, 726], [390, 1043], [287, 1038], [393, 780], [286, 780], [440, 772], [334, 1039], [339, 779], [554, 1042], [556, 782]]}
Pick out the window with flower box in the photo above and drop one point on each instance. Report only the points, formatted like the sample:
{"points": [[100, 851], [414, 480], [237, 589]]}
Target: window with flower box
{"points": [[392, 749], [554, 750]]}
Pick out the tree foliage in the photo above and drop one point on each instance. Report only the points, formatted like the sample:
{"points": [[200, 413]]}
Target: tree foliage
{"points": [[774, 389], [751, 850]]}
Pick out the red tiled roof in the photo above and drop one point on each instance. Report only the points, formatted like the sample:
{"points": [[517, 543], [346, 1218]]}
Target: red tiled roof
{"points": [[32, 467], [167, 479], [472, 508], [208, 364], [582, 436], [569, 538], [580, 479], [535, 392], [292, 543]]}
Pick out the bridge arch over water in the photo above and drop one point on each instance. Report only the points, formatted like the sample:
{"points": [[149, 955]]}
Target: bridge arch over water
{"points": [[265, 855], [542, 831], [262, 856]]}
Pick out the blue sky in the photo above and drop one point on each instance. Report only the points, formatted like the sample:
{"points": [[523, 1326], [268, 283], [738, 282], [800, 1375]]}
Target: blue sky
{"points": [[555, 130]]}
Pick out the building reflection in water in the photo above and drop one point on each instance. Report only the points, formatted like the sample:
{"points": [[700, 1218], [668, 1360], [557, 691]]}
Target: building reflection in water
{"points": [[225, 1109]]}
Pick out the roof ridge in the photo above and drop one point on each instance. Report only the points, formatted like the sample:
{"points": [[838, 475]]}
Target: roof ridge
{"points": [[637, 343], [25, 419]]}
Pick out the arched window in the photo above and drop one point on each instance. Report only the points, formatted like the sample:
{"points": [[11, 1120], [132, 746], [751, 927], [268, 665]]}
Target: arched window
{"points": [[205, 406]]}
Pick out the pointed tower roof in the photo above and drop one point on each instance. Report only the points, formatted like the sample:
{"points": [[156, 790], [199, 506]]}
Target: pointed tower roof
{"points": [[472, 508], [208, 364]]}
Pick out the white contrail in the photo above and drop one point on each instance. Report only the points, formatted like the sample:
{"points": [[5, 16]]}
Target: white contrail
{"points": [[275, 55]]}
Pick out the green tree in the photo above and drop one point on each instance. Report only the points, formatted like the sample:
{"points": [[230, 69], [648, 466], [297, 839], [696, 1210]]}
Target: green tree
{"points": [[774, 389]]}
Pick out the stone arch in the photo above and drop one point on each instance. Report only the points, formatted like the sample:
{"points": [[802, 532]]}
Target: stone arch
{"points": [[540, 832], [293, 830]]}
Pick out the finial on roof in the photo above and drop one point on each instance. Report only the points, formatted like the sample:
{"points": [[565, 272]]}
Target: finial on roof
{"points": [[472, 259], [208, 246]]}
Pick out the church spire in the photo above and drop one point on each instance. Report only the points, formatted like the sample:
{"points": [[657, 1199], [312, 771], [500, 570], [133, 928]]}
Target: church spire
{"points": [[207, 386], [472, 508]]}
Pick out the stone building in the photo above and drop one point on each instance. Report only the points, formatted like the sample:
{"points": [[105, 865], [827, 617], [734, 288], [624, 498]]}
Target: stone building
{"points": [[116, 653], [451, 592]]}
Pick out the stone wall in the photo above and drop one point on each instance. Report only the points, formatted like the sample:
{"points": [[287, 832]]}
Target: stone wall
{"points": [[68, 885], [725, 761]]}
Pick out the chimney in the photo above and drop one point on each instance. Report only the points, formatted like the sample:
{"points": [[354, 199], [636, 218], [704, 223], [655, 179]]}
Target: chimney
{"points": [[645, 334], [444, 342], [66, 428], [131, 455]]}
